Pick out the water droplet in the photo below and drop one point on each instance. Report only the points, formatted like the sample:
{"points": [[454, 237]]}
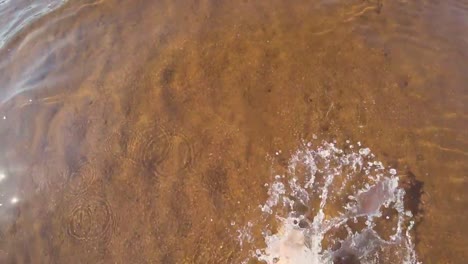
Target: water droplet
{"points": [[364, 151]]}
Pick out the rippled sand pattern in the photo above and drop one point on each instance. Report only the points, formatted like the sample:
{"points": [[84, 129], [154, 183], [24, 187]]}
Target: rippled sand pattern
{"points": [[151, 131]]}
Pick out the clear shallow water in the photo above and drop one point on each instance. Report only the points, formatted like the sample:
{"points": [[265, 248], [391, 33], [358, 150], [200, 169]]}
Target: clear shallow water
{"points": [[145, 131]]}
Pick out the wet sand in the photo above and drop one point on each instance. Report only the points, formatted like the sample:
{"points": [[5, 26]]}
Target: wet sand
{"points": [[137, 131]]}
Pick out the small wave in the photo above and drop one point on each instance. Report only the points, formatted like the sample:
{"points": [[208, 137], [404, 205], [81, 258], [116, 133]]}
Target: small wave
{"points": [[16, 15], [31, 54]]}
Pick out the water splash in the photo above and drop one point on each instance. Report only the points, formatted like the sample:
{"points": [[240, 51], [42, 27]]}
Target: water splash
{"points": [[333, 205]]}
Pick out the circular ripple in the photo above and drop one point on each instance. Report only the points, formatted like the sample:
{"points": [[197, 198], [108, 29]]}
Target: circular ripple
{"points": [[90, 219], [179, 156], [115, 145], [149, 147], [82, 180], [153, 148]]}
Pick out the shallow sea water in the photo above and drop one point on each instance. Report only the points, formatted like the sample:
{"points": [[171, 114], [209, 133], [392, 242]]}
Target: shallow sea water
{"points": [[303, 132]]}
